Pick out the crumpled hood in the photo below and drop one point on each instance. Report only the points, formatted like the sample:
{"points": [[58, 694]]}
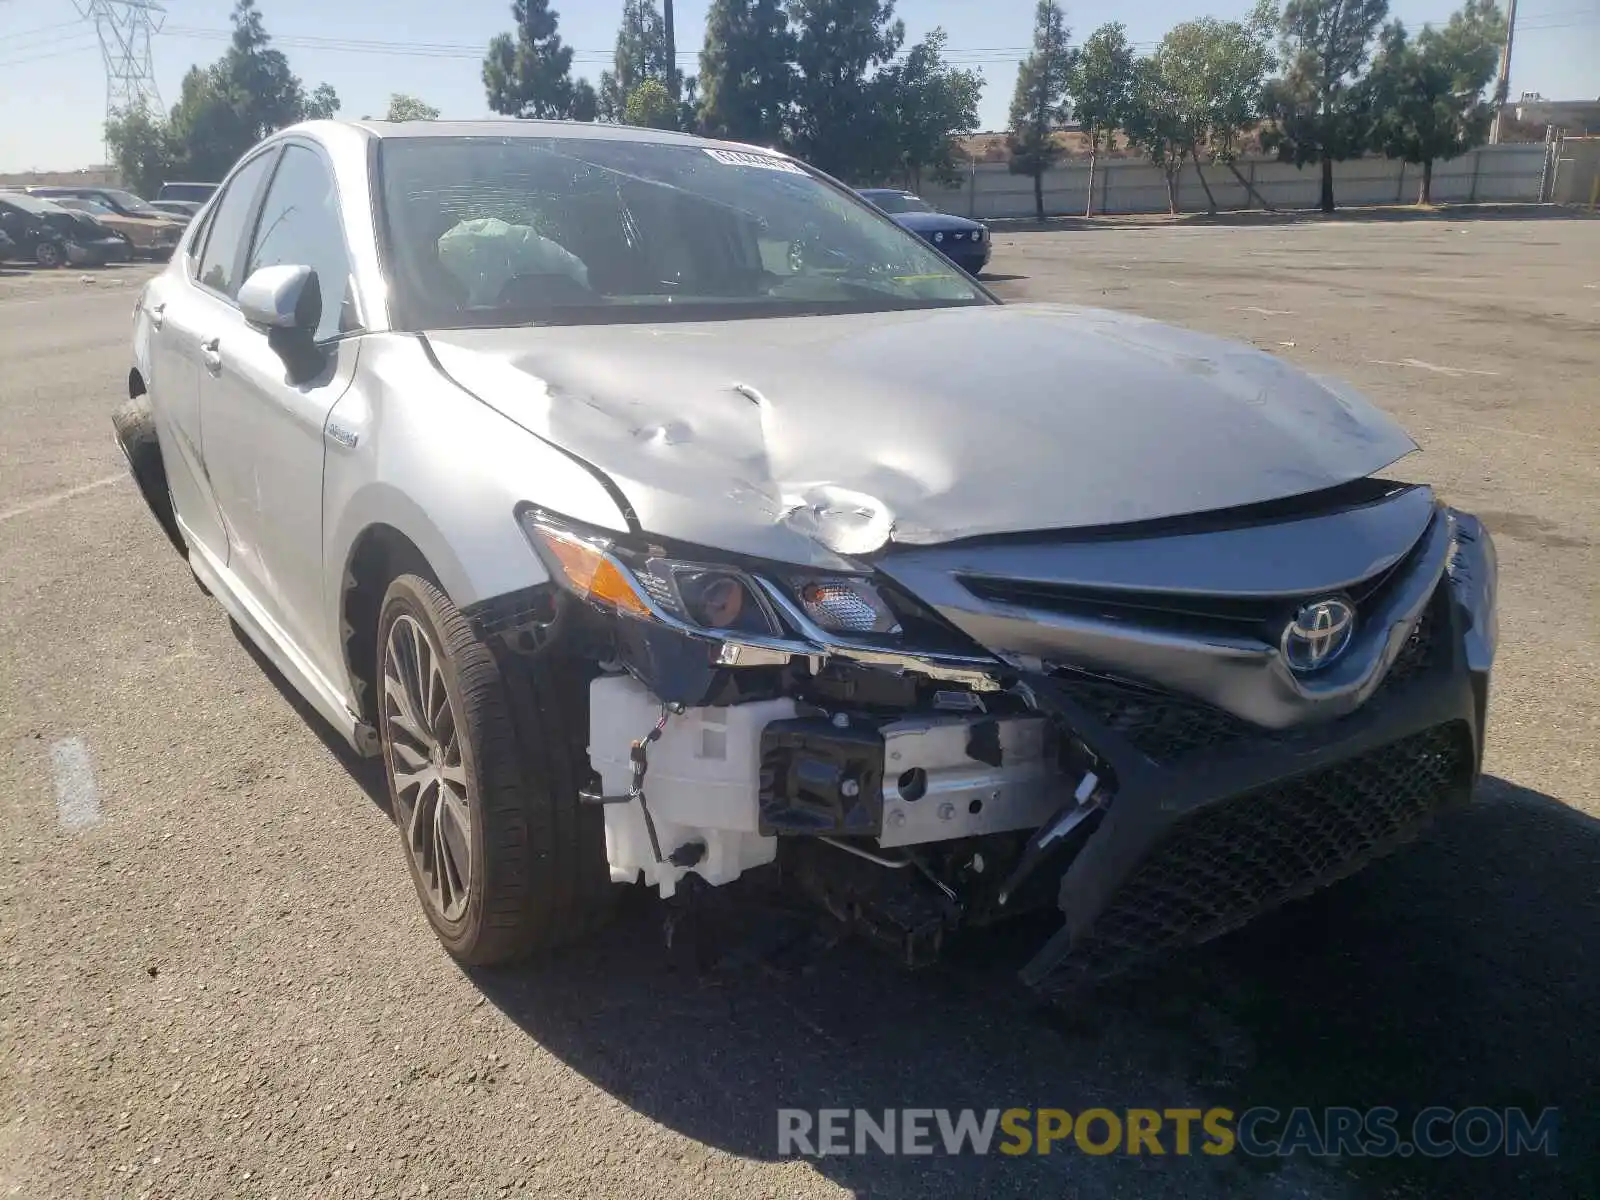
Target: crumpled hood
{"points": [[771, 436]]}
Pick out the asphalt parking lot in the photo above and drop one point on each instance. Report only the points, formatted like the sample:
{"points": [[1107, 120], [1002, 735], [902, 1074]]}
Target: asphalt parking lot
{"points": [[215, 980]]}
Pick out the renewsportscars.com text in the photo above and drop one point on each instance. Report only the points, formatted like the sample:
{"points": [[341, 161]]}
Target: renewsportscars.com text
{"points": [[1381, 1132]]}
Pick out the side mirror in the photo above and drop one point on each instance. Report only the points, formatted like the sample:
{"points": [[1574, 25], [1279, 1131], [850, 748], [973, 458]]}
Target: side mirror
{"points": [[286, 301], [287, 297]]}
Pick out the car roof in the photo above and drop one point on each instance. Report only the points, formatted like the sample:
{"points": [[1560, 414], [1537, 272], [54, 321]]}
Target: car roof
{"points": [[30, 203], [512, 127]]}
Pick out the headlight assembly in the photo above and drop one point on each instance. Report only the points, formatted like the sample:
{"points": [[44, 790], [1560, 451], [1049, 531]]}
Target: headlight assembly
{"points": [[708, 597], [759, 620]]}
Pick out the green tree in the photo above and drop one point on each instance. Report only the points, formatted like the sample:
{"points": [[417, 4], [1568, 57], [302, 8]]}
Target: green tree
{"points": [[403, 107], [206, 133], [650, 105], [838, 120], [1319, 110], [585, 101], [1215, 71], [746, 71], [1101, 88], [1179, 70], [222, 110], [323, 104], [529, 73], [256, 82], [641, 54], [1428, 94], [1156, 125], [140, 149], [930, 103], [1240, 58], [1039, 107]]}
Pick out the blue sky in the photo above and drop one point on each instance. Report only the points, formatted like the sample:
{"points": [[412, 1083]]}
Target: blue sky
{"points": [[52, 83]]}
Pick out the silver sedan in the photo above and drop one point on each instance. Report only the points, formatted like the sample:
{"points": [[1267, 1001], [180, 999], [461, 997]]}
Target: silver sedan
{"points": [[660, 512]]}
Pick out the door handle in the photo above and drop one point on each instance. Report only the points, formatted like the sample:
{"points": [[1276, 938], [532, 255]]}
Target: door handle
{"points": [[211, 352], [158, 314]]}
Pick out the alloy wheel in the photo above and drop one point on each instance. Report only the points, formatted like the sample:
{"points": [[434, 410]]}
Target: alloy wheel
{"points": [[423, 754], [47, 254]]}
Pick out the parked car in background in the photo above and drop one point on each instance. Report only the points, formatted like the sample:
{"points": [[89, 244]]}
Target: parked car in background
{"points": [[34, 238], [654, 508], [90, 242], [182, 210], [151, 232], [965, 243], [195, 193]]}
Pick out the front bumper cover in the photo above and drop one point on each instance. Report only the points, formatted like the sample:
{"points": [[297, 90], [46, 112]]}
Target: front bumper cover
{"points": [[1214, 836]]}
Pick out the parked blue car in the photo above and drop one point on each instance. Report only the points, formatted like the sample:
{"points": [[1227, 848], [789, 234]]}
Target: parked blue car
{"points": [[963, 242]]}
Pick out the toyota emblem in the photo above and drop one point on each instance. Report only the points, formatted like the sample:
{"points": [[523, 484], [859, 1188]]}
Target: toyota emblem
{"points": [[1318, 634]]}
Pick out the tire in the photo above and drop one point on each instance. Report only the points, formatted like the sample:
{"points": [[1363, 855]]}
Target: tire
{"points": [[135, 426], [506, 734], [48, 255]]}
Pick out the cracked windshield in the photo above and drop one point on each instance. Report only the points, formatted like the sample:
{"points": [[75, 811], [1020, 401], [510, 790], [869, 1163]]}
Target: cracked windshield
{"points": [[493, 231]]}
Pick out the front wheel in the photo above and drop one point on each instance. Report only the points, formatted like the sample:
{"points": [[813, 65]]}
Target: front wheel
{"points": [[484, 788], [48, 255], [135, 426]]}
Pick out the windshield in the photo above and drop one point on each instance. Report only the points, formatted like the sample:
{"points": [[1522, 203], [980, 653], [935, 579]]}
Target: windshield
{"points": [[82, 205], [527, 230], [129, 203], [898, 202]]}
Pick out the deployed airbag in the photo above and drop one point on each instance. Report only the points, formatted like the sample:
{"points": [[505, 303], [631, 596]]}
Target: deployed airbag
{"points": [[487, 253]]}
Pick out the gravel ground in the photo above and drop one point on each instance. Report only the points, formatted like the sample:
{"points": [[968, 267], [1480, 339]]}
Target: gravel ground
{"points": [[224, 985]]}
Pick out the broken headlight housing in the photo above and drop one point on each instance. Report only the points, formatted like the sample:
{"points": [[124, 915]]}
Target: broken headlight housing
{"points": [[708, 597], [705, 597]]}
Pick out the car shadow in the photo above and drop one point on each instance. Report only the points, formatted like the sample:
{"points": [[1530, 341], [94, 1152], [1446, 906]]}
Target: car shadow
{"points": [[1460, 972], [367, 772]]}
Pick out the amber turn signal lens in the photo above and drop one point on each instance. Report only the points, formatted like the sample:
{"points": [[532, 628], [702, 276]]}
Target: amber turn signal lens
{"points": [[592, 575]]}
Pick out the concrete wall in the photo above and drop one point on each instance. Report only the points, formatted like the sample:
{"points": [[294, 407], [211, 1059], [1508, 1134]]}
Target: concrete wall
{"points": [[1577, 171], [1506, 173]]}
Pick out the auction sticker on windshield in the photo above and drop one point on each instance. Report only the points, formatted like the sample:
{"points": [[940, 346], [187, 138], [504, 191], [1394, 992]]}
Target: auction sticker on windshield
{"points": [[741, 158]]}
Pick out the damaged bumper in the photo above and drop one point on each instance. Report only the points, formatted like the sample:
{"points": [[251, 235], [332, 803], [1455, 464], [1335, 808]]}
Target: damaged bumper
{"points": [[1157, 805]]}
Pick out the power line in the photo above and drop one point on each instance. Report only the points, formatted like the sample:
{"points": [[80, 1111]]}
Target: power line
{"points": [[38, 29], [82, 48]]}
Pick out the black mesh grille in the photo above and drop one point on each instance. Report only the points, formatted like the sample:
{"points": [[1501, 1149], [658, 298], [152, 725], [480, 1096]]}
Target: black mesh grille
{"points": [[1165, 726], [1422, 648], [1160, 724], [1224, 864]]}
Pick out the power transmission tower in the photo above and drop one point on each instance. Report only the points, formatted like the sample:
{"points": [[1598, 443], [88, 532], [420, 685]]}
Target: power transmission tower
{"points": [[125, 28]]}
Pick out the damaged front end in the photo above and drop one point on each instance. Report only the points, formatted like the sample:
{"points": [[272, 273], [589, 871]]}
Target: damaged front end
{"points": [[1122, 724]]}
